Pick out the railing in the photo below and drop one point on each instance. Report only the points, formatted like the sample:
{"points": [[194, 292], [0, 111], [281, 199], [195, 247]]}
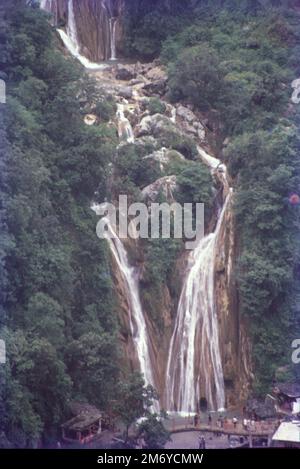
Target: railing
{"points": [[187, 424]]}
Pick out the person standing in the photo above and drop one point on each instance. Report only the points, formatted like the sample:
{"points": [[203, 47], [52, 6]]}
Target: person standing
{"points": [[201, 442]]}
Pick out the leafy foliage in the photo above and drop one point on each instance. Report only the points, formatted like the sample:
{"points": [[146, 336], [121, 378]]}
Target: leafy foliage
{"points": [[56, 288], [134, 400], [154, 433], [235, 64]]}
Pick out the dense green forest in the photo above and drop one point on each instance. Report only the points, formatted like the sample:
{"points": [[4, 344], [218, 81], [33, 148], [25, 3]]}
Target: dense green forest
{"points": [[58, 313], [233, 60], [58, 307]]}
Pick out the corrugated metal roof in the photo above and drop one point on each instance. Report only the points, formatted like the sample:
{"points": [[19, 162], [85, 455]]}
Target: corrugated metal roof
{"points": [[288, 431]]}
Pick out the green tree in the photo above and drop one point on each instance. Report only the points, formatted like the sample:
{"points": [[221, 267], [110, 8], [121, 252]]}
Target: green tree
{"points": [[134, 400], [197, 77], [153, 432]]}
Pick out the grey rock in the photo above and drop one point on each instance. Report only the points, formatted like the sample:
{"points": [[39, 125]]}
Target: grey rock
{"points": [[125, 92], [158, 87], [167, 185], [152, 125], [125, 74], [186, 114]]}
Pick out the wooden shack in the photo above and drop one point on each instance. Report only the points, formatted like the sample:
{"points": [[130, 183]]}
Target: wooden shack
{"points": [[84, 426], [287, 396]]}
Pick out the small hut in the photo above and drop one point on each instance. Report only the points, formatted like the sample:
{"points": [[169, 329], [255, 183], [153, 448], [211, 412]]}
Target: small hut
{"points": [[288, 396], [84, 426]]}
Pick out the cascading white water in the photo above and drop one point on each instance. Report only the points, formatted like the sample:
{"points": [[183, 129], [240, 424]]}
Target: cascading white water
{"points": [[173, 115], [112, 31], [112, 28], [46, 5], [70, 37], [194, 361], [71, 25], [138, 324], [70, 40], [51, 7], [124, 126]]}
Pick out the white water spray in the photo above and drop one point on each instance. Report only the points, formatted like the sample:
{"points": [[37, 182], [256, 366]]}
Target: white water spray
{"points": [[137, 320], [70, 37], [112, 33], [194, 367], [124, 127]]}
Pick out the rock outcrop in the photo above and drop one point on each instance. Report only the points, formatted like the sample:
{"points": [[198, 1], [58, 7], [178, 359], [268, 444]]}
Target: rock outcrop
{"points": [[234, 343], [165, 185]]}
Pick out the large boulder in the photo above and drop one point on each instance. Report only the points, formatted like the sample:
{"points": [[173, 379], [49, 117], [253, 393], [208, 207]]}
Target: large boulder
{"points": [[186, 114], [168, 134], [166, 185], [190, 122], [153, 125], [125, 92], [147, 141], [157, 87], [164, 156], [125, 73]]}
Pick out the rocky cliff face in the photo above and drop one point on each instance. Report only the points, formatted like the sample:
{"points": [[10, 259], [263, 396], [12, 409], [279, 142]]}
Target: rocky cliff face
{"points": [[98, 24], [234, 342]]}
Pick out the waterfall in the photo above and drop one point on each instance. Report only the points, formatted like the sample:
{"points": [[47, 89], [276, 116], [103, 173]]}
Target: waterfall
{"points": [[124, 126], [137, 320], [71, 26], [51, 7], [45, 5], [70, 37], [112, 30], [173, 114], [112, 26], [194, 367]]}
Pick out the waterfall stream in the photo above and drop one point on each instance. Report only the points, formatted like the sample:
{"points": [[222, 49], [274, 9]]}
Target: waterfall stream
{"points": [[112, 31], [112, 25], [138, 325], [137, 320], [124, 127], [46, 5], [70, 36], [71, 26], [194, 367], [70, 39]]}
